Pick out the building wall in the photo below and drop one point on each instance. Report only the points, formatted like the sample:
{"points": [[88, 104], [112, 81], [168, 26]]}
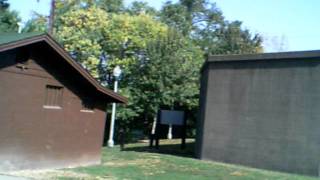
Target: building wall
{"points": [[263, 114], [32, 136], [200, 121]]}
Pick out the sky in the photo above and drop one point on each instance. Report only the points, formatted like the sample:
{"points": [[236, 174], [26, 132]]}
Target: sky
{"points": [[285, 25]]}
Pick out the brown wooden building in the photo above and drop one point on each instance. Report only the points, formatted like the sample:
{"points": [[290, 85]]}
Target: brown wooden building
{"points": [[52, 112]]}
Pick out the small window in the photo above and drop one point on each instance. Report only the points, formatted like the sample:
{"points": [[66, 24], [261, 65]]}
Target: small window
{"points": [[53, 99], [87, 105]]}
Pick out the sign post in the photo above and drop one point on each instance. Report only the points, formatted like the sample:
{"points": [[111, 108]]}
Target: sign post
{"points": [[169, 118]]}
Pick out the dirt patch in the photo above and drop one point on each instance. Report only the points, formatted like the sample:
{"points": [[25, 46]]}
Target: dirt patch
{"points": [[55, 174], [142, 162], [237, 173]]}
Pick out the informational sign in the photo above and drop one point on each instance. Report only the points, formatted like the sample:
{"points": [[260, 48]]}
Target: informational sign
{"points": [[176, 121], [171, 117]]}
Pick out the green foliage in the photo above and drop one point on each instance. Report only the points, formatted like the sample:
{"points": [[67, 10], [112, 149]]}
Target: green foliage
{"points": [[138, 7], [188, 16], [175, 15], [111, 6], [82, 33], [136, 31], [230, 38], [88, 33], [160, 64], [8, 19], [204, 23], [167, 76], [38, 23], [4, 4]]}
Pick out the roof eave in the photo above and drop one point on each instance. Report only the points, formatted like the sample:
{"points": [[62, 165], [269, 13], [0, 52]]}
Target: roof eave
{"points": [[265, 56], [56, 46]]}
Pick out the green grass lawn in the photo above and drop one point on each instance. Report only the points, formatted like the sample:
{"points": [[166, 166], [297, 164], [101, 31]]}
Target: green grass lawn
{"points": [[138, 162]]}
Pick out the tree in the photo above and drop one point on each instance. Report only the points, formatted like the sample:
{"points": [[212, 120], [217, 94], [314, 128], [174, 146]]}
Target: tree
{"points": [[4, 4], [91, 33], [161, 65], [33, 22], [174, 15], [111, 6], [52, 16], [38, 23], [138, 7], [230, 38], [8, 19], [82, 34], [202, 21], [166, 76], [190, 15]]}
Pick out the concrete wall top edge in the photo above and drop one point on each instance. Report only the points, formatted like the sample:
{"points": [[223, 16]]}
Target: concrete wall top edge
{"points": [[265, 56], [294, 55]]}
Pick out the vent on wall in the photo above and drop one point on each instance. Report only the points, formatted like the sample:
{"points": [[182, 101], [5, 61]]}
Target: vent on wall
{"points": [[22, 58], [53, 98]]}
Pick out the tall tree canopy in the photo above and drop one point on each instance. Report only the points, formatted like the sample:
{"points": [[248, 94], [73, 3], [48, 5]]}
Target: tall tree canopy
{"points": [[155, 60], [160, 52], [166, 76], [111, 6], [4, 4], [38, 23], [92, 35], [8, 19], [202, 21], [82, 32], [138, 7]]}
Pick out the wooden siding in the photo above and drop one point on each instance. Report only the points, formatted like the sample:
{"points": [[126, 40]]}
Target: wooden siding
{"points": [[32, 136]]}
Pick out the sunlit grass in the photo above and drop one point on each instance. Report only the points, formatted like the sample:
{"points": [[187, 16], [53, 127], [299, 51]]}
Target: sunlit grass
{"points": [[137, 161]]}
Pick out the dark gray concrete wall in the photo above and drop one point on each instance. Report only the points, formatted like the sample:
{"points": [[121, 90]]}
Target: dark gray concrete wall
{"points": [[200, 120], [263, 114]]}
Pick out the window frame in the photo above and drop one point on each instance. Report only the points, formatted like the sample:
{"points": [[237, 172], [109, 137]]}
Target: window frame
{"points": [[57, 102]]}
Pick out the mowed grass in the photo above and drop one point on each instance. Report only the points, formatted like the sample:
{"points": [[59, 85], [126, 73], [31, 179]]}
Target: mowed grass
{"points": [[138, 162]]}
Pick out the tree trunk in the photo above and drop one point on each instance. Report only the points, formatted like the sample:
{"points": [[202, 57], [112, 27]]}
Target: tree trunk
{"points": [[51, 16]]}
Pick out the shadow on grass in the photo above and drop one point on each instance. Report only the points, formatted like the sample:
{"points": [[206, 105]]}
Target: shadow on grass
{"points": [[171, 149]]}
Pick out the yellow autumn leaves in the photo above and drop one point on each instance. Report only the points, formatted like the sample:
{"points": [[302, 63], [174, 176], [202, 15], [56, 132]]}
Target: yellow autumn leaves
{"points": [[87, 33]]}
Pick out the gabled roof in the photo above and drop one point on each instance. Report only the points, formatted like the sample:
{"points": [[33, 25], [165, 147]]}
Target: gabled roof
{"points": [[13, 40]]}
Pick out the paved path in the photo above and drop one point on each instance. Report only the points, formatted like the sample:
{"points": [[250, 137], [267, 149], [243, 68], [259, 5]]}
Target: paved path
{"points": [[4, 177]]}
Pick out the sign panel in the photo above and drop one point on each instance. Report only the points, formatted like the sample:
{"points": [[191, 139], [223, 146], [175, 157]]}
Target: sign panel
{"points": [[171, 117]]}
